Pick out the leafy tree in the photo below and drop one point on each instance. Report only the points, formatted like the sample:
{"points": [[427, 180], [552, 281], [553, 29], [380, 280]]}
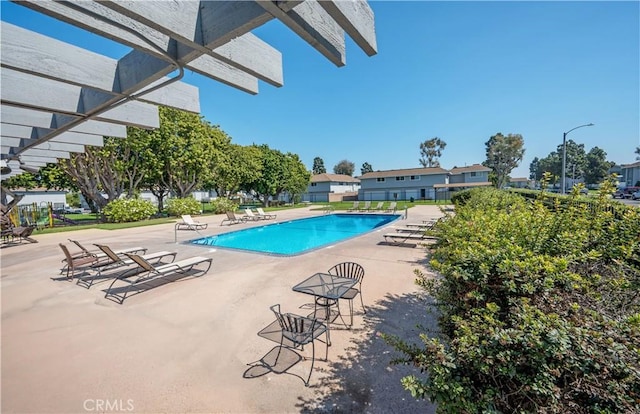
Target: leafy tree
{"points": [[274, 175], [97, 171], [638, 153], [318, 166], [297, 176], [237, 169], [504, 153], [190, 149], [597, 166], [366, 168], [534, 170], [430, 151], [345, 167]]}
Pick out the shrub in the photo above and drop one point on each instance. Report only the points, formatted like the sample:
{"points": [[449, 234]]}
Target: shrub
{"points": [[222, 205], [180, 206], [538, 309], [128, 209]]}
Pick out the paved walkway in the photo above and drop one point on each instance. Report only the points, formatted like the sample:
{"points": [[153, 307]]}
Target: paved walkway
{"points": [[183, 347]]}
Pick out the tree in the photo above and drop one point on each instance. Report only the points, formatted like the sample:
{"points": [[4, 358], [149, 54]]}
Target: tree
{"points": [[534, 168], [274, 172], [297, 176], [366, 168], [345, 167], [238, 168], [638, 153], [318, 166], [430, 151], [97, 171], [504, 153], [190, 149], [597, 166]]}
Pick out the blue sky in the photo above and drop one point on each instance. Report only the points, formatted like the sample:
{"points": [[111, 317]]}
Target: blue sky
{"points": [[461, 71]]}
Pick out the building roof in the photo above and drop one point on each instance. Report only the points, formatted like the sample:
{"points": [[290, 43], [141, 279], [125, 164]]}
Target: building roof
{"points": [[405, 172], [519, 180], [342, 178], [463, 185], [632, 165], [470, 168]]}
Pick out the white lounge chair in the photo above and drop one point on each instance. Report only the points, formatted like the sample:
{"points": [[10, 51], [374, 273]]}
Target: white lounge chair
{"points": [[248, 215], [188, 223], [233, 219], [264, 215]]}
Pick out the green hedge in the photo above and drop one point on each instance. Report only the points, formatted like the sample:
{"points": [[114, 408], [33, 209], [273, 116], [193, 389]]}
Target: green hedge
{"points": [[125, 210], [539, 309], [179, 206]]}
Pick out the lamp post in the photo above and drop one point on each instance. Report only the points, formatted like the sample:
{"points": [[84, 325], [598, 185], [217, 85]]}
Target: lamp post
{"points": [[564, 156]]}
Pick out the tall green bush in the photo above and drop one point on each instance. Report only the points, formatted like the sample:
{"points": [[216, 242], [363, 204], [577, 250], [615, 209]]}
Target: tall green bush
{"points": [[180, 206], [222, 205], [539, 309], [126, 210]]}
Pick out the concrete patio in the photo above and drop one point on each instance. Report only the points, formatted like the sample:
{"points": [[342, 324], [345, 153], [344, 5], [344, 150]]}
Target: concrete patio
{"points": [[184, 346]]}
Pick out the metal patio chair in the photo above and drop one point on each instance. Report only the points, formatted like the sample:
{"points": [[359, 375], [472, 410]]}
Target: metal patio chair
{"points": [[354, 271], [300, 331]]}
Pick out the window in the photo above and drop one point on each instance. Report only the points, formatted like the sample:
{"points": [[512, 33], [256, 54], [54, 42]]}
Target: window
{"points": [[415, 177], [399, 178], [314, 184], [473, 173], [380, 179]]}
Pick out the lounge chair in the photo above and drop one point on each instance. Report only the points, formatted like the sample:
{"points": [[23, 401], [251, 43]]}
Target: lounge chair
{"points": [[76, 263], [188, 223], [23, 233], [404, 237], [248, 215], [102, 256], [378, 206], [264, 215], [233, 219], [366, 207], [150, 272], [392, 207], [117, 260], [356, 204]]}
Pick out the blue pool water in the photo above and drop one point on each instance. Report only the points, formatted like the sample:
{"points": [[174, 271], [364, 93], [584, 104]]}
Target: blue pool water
{"points": [[299, 236]]}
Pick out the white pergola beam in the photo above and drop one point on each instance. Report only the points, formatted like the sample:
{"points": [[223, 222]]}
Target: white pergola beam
{"points": [[43, 153], [356, 18], [59, 146], [39, 119], [187, 22], [21, 89], [30, 52], [312, 23], [205, 65]]}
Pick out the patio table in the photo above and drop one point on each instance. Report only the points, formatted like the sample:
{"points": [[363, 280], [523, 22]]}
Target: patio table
{"points": [[327, 289]]}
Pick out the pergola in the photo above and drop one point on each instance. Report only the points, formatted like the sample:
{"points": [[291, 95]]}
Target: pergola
{"points": [[57, 98]]}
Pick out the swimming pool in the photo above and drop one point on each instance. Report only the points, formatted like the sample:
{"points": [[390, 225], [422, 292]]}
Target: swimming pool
{"points": [[298, 236]]}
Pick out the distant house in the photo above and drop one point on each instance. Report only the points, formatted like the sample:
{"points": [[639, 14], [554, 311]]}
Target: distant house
{"points": [[520, 182], [460, 178], [416, 183], [331, 187], [41, 197], [420, 183], [630, 174]]}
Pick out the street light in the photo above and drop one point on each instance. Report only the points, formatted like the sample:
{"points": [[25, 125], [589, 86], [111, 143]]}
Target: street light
{"points": [[564, 156]]}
